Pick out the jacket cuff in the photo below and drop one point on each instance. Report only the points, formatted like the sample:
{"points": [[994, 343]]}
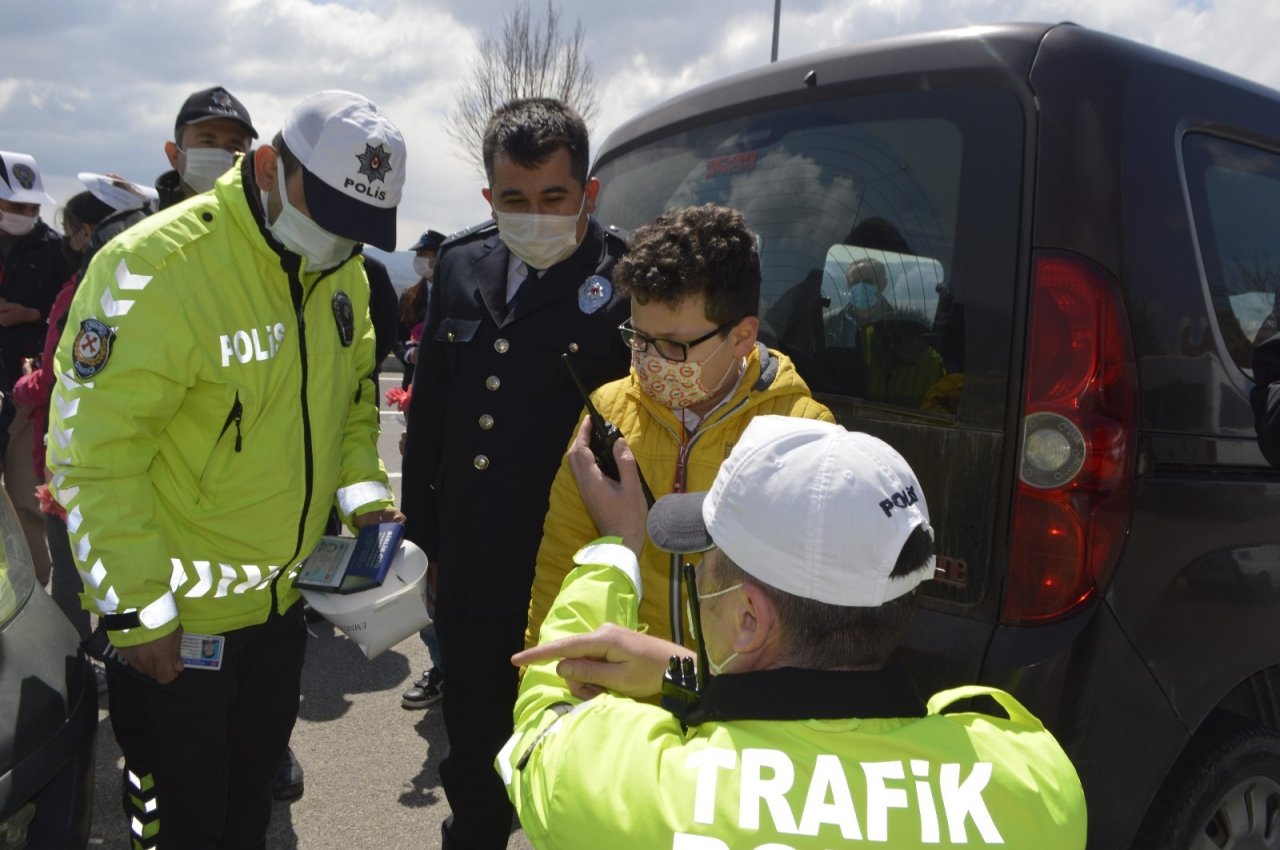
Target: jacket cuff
{"points": [[353, 497], [610, 552], [142, 625]]}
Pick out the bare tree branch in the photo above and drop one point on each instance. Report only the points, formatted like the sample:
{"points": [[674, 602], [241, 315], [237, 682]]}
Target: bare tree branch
{"points": [[528, 59]]}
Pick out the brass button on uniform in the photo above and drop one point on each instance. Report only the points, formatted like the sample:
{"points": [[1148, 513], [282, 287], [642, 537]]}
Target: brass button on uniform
{"points": [[486, 422], [481, 462], [492, 382], [573, 348], [501, 346], [450, 336]]}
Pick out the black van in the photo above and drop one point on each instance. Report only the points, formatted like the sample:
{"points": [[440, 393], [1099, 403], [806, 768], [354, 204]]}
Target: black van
{"points": [[1035, 259]]}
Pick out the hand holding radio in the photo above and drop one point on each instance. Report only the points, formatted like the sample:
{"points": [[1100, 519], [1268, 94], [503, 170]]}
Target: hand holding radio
{"points": [[617, 507], [604, 434]]}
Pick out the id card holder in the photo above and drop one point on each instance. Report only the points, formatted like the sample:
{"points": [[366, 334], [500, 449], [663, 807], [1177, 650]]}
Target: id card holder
{"points": [[202, 652]]}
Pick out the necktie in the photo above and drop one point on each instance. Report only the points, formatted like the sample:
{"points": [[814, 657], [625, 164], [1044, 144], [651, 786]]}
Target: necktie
{"points": [[530, 275]]}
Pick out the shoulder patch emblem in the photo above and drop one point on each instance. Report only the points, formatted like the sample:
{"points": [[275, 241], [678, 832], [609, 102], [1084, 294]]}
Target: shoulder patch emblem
{"points": [[345, 316], [594, 293], [91, 348]]}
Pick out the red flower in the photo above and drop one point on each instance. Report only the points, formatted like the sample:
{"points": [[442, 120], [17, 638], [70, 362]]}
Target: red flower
{"points": [[399, 398], [47, 504]]}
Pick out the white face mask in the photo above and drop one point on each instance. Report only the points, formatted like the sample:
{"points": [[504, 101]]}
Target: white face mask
{"points": [[201, 167], [422, 267], [17, 225], [716, 669], [320, 248], [540, 241]]}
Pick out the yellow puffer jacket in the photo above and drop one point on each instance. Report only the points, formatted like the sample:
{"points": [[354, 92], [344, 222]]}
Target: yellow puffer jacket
{"points": [[666, 456]]}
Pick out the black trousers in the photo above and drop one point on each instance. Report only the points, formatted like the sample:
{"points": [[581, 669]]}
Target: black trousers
{"points": [[201, 751], [478, 703]]}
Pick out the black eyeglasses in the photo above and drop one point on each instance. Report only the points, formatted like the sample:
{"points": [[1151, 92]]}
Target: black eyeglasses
{"points": [[676, 352]]}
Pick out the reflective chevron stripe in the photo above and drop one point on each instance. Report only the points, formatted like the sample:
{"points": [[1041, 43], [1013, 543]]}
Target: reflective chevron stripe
{"points": [[217, 580]]}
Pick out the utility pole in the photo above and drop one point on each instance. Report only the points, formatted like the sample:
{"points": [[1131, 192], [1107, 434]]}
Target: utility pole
{"points": [[777, 19]]}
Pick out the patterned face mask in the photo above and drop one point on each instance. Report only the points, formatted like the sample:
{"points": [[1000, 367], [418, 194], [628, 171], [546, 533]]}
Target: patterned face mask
{"points": [[675, 385]]}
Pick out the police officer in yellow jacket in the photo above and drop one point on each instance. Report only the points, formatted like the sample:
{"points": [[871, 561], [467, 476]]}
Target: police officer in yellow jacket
{"points": [[802, 737], [213, 403]]}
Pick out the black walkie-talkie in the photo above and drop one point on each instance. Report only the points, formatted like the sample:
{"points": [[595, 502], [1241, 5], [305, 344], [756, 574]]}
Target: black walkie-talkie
{"points": [[603, 434]]}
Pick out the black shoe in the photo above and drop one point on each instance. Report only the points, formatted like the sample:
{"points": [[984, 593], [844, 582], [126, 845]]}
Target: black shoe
{"points": [[425, 692], [288, 782]]}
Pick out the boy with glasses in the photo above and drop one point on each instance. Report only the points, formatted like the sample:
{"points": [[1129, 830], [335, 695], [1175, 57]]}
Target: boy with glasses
{"points": [[698, 377]]}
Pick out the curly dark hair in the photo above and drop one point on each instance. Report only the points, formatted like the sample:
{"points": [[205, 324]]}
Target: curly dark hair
{"points": [[530, 130], [692, 250]]}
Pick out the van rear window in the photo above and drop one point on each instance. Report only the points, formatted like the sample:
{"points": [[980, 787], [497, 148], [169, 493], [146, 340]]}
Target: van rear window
{"points": [[888, 229], [1235, 202]]}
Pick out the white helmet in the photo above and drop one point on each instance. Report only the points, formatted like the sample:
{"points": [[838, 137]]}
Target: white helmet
{"points": [[382, 616]]}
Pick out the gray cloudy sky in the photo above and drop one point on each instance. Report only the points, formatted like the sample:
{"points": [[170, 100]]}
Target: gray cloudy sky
{"points": [[94, 85]]}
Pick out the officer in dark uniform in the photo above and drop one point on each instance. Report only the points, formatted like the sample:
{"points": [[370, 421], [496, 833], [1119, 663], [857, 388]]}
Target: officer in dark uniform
{"points": [[493, 409]]}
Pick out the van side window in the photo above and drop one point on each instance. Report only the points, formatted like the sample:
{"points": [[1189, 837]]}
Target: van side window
{"points": [[1235, 203], [888, 228]]}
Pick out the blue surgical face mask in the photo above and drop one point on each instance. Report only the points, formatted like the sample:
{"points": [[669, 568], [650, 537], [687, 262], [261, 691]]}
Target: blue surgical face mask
{"points": [[866, 302]]}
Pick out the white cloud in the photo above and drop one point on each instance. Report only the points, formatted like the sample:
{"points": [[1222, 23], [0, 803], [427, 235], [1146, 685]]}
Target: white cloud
{"points": [[101, 82]]}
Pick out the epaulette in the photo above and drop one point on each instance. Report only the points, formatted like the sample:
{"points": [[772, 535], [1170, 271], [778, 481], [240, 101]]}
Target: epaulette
{"points": [[467, 233], [615, 240]]}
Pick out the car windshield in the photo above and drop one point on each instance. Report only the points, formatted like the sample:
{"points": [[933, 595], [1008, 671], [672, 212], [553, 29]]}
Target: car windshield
{"points": [[17, 578], [887, 230]]}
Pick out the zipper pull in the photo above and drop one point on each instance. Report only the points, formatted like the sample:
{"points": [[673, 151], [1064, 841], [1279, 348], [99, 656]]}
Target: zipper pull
{"points": [[239, 414]]}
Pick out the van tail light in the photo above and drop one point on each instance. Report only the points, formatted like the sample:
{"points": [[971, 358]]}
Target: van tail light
{"points": [[1071, 509]]}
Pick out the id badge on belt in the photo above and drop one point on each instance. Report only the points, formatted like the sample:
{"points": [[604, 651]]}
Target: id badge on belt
{"points": [[202, 652]]}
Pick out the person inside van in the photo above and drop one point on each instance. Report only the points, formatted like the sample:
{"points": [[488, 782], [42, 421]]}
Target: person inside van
{"points": [[1265, 396]]}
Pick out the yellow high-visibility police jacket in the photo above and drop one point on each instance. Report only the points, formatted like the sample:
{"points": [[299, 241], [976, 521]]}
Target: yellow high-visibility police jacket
{"points": [[213, 399], [781, 759]]}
